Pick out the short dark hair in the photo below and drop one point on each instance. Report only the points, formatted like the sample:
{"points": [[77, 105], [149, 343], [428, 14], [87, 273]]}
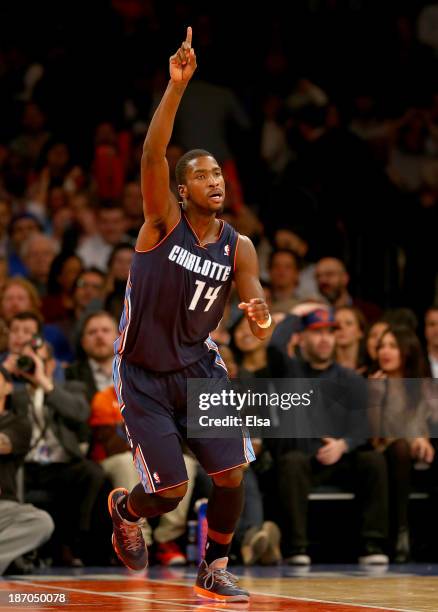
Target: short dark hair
{"points": [[90, 270], [276, 252], [433, 308], [120, 246], [53, 286], [184, 160], [95, 315], [26, 316]]}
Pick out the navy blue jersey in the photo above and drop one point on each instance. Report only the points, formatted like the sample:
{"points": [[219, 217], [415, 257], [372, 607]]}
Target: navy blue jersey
{"points": [[175, 296]]}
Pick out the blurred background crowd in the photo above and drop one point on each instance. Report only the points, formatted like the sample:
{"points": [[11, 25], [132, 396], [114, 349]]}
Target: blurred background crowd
{"points": [[324, 117]]}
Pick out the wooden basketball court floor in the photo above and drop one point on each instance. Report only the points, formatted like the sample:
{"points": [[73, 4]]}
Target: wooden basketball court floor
{"points": [[411, 588]]}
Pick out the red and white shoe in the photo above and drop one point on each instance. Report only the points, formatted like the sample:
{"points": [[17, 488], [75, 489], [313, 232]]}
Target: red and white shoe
{"points": [[169, 553]]}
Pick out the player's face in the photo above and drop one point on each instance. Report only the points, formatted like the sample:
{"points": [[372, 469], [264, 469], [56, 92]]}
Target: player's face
{"points": [[205, 185]]}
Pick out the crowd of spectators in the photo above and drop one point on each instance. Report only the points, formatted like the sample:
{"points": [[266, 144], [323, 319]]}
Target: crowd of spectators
{"points": [[333, 173]]}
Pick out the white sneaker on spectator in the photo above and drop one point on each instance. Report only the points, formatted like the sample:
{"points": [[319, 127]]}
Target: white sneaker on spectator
{"points": [[375, 559], [372, 554], [299, 558]]}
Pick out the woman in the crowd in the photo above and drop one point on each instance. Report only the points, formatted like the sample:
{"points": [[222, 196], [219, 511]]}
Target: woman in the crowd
{"points": [[259, 540], [399, 412], [371, 341], [373, 336], [119, 264], [58, 302], [250, 352], [349, 335]]}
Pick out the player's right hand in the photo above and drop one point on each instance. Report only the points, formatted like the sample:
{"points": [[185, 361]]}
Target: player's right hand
{"points": [[182, 65]]}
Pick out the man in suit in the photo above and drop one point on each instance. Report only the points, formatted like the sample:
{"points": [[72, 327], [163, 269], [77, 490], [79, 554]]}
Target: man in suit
{"points": [[97, 337]]}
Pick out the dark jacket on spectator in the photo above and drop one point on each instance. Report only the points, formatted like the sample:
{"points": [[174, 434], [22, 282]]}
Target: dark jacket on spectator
{"points": [[67, 408], [81, 371], [15, 423], [345, 399]]}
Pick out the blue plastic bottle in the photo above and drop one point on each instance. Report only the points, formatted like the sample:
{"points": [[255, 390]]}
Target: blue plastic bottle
{"points": [[201, 509]]}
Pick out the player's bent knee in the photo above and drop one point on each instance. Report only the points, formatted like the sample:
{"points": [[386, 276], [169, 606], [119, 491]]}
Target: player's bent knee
{"points": [[230, 478], [167, 504], [178, 491], [154, 504]]}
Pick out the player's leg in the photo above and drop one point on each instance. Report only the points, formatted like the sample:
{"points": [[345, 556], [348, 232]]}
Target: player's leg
{"points": [[223, 512], [156, 446], [225, 506], [173, 524], [139, 504], [224, 460], [128, 510]]}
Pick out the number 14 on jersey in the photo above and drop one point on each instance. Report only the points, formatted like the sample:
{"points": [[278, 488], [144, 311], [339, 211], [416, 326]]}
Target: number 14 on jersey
{"points": [[210, 295]]}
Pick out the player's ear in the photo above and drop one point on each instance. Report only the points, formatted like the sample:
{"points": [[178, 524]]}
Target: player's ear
{"points": [[182, 190]]}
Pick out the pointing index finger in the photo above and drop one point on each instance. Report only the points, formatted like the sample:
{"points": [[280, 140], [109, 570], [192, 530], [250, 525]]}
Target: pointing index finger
{"points": [[189, 36]]}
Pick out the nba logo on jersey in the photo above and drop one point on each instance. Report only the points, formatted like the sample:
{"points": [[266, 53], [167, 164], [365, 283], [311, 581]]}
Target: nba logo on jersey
{"points": [[227, 250], [156, 477]]}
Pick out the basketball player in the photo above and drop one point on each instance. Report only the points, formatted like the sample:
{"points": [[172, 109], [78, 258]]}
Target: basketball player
{"points": [[180, 278]]}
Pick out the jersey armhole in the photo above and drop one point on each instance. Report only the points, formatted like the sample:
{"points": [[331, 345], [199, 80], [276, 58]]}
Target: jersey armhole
{"points": [[162, 239], [235, 253]]}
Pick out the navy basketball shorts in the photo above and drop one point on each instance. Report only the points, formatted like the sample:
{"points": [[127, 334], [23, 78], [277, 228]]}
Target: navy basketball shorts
{"points": [[154, 408]]}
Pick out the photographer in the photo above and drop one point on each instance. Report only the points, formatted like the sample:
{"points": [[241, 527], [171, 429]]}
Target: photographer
{"points": [[22, 526], [54, 463], [24, 328]]}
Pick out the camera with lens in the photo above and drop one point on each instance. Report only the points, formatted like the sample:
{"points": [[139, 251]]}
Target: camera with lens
{"points": [[25, 363]]}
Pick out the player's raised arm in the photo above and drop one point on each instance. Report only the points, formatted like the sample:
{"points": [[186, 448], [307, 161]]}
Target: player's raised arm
{"points": [[157, 197], [249, 289]]}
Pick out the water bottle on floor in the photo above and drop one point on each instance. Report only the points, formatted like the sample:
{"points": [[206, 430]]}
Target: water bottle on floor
{"points": [[201, 510]]}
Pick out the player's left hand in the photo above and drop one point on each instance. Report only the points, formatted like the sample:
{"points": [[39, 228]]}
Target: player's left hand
{"points": [[256, 310]]}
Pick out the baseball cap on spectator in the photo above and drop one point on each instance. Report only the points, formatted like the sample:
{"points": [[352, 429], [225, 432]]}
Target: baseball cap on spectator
{"points": [[316, 319]]}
